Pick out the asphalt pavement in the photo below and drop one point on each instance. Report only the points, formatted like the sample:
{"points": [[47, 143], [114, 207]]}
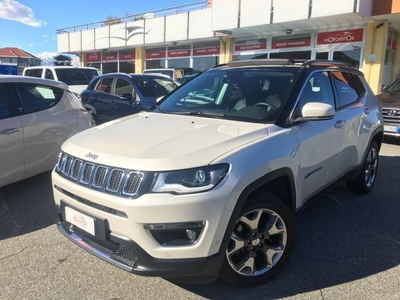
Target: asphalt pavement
{"points": [[347, 247]]}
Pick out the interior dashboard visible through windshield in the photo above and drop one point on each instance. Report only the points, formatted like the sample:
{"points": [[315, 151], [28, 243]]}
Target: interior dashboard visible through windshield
{"points": [[252, 95]]}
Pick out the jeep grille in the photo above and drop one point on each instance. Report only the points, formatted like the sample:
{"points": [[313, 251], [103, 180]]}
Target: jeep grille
{"points": [[111, 180]]}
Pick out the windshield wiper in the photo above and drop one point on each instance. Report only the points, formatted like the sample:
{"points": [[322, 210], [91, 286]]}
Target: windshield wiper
{"points": [[211, 114], [160, 109]]}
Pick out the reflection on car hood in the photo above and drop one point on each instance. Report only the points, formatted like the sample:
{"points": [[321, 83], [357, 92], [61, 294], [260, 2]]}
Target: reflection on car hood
{"points": [[151, 141], [389, 99]]}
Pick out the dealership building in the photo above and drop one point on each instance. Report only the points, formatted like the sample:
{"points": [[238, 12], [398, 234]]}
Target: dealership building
{"points": [[363, 33]]}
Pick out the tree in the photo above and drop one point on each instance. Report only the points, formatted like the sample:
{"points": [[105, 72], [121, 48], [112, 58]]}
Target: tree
{"points": [[62, 60], [111, 20]]}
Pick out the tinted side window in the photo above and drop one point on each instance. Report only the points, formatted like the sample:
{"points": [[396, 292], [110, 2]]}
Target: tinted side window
{"points": [[123, 87], [34, 72], [348, 86], [49, 74], [318, 88], [5, 110], [38, 97], [104, 85]]}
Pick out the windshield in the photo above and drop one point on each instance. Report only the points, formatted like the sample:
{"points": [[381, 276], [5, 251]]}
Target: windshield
{"points": [[76, 76], [154, 87], [255, 95], [394, 87]]}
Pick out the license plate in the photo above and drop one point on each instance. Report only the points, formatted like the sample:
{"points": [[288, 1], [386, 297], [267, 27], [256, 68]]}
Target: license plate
{"points": [[391, 128], [80, 220]]}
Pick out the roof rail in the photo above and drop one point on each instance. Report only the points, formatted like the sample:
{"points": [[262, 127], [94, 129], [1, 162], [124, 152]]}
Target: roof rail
{"points": [[327, 63], [261, 62]]}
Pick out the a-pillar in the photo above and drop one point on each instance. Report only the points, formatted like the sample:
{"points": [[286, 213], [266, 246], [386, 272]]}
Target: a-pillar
{"points": [[226, 49], [140, 59], [375, 50]]}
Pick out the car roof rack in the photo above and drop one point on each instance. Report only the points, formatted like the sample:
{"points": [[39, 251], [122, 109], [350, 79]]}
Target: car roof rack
{"points": [[261, 62], [326, 63]]}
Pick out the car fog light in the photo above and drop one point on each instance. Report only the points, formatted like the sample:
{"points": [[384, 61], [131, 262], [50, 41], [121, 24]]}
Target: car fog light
{"points": [[191, 234], [176, 234]]}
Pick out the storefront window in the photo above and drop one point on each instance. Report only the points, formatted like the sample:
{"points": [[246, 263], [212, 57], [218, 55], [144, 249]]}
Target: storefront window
{"points": [[203, 63], [322, 55], [205, 55], [351, 57], [179, 62], [155, 58], [94, 65], [249, 49], [296, 55], [127, 67]]}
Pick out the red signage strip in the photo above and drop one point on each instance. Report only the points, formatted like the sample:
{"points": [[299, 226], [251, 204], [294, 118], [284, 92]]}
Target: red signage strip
{"points": [[345, 36], [291, 43], [110, 56], [93, 56], [178, 53], [206, 51], [126, 56], [249, 47], [158, 54]]}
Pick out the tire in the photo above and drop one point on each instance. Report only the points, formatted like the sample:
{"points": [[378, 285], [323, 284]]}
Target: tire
{"points": [[365, 181], [261, 242]]}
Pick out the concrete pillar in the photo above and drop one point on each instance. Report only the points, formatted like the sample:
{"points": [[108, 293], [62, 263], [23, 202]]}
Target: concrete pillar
{"points": [[140, 59], [226, 49], [375, 50], [82, 59]]}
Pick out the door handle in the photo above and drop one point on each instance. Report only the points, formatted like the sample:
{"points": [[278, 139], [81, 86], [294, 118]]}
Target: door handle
{"points": [[9, 131], [340, 124]]}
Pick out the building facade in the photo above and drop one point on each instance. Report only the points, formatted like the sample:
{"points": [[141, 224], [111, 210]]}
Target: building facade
{"points": [[199, 35], [14, 60]]}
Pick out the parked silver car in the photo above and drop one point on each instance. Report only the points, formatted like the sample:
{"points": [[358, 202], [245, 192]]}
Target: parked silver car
{"points": [[36, 117]]}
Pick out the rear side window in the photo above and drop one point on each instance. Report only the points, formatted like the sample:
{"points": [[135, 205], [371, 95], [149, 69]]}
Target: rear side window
{"points": [[34, 72], [104, 85], [49, 74], [76, 76], [123, 87], [38, 97], [348, 86]]}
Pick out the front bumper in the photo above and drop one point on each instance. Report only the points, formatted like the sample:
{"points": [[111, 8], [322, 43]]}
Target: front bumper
{"points": [[122, 240], [130, 257]]}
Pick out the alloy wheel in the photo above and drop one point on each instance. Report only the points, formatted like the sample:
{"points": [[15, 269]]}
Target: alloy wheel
{"points": [[257, 242], [371, 166]]}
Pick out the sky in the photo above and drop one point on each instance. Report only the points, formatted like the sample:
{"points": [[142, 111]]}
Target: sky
{"points": [[31, 25]]}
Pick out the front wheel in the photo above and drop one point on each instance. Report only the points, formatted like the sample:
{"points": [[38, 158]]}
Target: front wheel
{"points": [[366, 179], [261, 242]]}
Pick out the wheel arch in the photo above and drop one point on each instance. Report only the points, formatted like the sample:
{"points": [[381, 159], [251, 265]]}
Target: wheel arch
{"points": [[271, 182]]}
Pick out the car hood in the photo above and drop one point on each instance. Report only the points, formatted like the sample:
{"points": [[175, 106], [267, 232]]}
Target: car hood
{"points": [[391, 99], [155, 141]]}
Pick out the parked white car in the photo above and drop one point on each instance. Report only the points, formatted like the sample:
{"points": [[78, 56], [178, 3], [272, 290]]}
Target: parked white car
{"points": [[207, 184], [36, 117], [77, 78]]}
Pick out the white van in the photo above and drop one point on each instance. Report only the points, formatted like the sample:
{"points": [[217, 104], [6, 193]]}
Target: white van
{"points": [[77, 78], [175, 74]]}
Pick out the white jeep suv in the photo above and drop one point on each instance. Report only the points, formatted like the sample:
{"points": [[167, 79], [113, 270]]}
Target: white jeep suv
{"points": [[206, 185]]}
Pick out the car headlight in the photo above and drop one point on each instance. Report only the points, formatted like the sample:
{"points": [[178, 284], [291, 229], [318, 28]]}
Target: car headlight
{"points": [[190, 180]]}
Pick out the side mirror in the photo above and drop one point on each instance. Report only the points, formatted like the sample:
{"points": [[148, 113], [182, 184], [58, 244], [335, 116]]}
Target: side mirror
{"points": [[317, 111], [126, 97]]}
